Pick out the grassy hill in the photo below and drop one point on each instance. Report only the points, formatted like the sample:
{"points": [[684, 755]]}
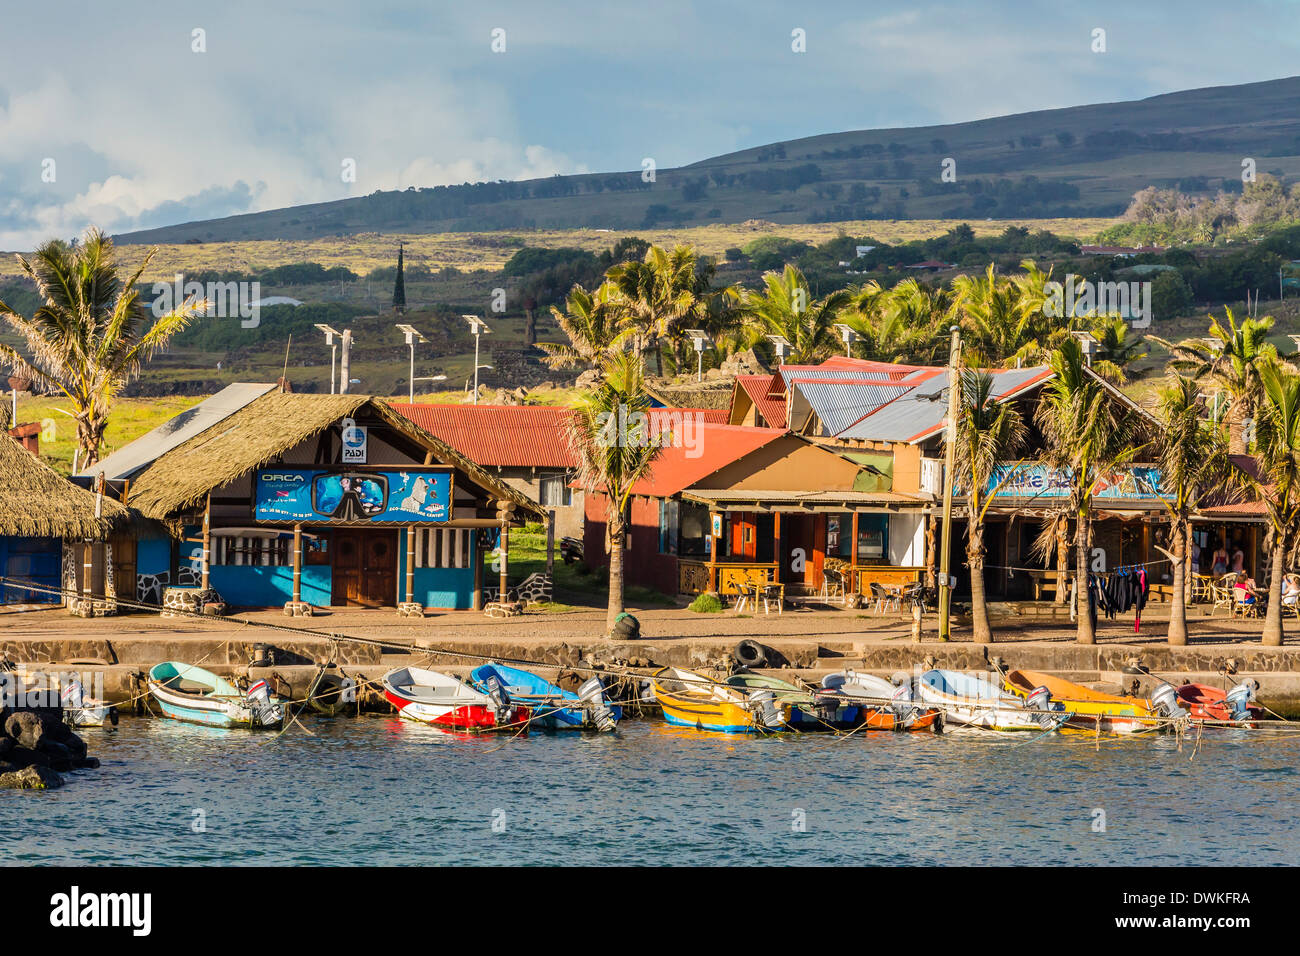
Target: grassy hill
{"points": [[1073, 162]]}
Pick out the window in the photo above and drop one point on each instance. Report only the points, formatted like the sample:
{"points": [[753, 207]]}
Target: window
{"points": [[554, 491], [263, 552], [668, 525], [442, 547]]}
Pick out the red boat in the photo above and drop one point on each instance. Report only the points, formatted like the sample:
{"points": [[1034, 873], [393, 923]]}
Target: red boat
{"points": [[430, 697], [1211, 703]]}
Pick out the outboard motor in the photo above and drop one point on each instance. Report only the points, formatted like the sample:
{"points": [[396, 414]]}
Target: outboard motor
{"points": [[762, 704], [592, 694], [904, 704], [259, 700], [1040, 699], [825, 705], [1238, 700], [1165, 700], [501, 705], [73, 697]]}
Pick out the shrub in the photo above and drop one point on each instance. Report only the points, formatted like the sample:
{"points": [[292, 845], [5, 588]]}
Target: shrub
{"points": [[706, 604]]}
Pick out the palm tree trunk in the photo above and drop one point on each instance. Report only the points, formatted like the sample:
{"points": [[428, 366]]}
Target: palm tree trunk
{"points": [[979, 612], [1178, 608], [1237, 430], [1087, 634], [1062, 558], [617, 536], [1273, 616]]}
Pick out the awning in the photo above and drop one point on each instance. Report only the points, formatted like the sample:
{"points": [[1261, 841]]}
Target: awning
{"points": [[806, 502]]}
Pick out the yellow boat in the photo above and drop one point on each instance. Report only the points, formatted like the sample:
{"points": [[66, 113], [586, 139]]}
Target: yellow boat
{"points": [[1089, 709], [690, 700]]}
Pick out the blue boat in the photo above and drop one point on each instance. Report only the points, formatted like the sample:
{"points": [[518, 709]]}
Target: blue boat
{"points": [[190, 693], [553, 708]]}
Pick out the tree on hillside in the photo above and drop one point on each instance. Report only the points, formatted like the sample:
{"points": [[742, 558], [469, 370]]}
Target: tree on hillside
{"points": [[786, 308], [609, 434], [658, 296], [988, 433], [399, 284], [91, 334], [1231, 357], [1084, 439]]}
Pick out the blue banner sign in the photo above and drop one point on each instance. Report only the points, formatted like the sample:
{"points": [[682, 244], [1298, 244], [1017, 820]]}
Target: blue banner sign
{"points": [[315, 495], [1041, 481]]}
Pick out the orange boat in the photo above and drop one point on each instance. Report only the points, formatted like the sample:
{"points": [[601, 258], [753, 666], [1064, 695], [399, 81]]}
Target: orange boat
{"points": [[1089, 709]]}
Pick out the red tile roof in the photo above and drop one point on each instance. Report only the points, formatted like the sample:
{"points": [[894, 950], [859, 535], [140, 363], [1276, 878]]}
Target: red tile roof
{"points": [[714, 447]]}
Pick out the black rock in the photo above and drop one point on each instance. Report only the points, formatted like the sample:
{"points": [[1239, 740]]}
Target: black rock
{"points": [[27, 728], [30, 778], [74, 744], [86, 763], [25, 757], [60, 756], [6, 744]]}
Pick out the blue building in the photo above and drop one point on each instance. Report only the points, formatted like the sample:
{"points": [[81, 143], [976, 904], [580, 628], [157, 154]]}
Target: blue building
{"points": [[270, 498]]}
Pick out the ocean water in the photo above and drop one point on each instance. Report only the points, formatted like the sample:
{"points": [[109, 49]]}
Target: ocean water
{"points": [[379, 790]]}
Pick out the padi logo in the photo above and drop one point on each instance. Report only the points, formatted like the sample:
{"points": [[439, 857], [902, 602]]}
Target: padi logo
{"points": [[76, 909], [1078, 298], [225, 300]]}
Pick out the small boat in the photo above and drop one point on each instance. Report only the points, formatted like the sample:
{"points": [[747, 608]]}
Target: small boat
{"points": [[552, 707], [82, 711], [808, 710], [1089, 709], [689, 700], [1210, 703], [431, 697], [190, 693], [884, 706], [972, 701]]}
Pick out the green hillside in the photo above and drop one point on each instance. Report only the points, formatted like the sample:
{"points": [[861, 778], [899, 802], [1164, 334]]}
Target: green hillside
{"points": [[1084, 161]]}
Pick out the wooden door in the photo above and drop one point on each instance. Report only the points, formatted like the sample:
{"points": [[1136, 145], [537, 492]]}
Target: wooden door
{"points": [[744, 537], [124, 566], [364, 571]]}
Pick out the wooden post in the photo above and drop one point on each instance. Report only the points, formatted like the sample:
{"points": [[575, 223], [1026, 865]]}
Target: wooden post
{"points": [[297, 563], [477, 601], [853, 558], [949, 470], [207, 543], [713, 556], [550, 543], [410, 564], [505, 550], [777, 557]]}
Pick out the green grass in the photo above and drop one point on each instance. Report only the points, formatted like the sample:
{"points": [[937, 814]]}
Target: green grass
{"points": [[129, 419], [706, 604], [528, 555]]}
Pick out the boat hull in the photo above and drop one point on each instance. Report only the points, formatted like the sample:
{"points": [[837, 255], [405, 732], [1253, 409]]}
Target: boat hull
{"points": [[711, 707], [552, 708], [1210, 703], [462, 717], [983, 706], [1088, 709], [209, 714]]}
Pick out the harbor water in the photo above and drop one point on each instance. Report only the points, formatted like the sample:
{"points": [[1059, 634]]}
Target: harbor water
{"points": [[379, 790]]}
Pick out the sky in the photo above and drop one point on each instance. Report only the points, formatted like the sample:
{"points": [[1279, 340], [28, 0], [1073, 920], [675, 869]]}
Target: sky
{"points": [[137, 114]]}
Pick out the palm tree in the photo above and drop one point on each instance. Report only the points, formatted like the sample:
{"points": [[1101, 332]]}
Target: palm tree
{"points": [[1083, 439], [903, 323], [609, 434], [1120, 350], [1277, 436], [1000, 320], [657, 296], [1192, 458], [1231, 357], [591, 321], [786, 308], [988, 433], [91, 334]]}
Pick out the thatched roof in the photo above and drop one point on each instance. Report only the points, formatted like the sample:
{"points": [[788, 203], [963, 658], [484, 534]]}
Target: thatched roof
{"points": [[264, 430], [37, 502]]}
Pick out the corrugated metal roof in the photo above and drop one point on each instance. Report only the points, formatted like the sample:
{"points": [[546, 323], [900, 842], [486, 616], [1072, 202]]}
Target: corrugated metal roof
{"points": [[839, 404], [908, 418], [502, 436], [131, 459], [759, 389]]}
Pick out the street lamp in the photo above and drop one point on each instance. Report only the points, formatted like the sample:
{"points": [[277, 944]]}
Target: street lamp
{"points": [[429, 378], [413, 335], [330, 332], [848, 335], [1088, 345], [700, 338], [782, 345], [478, 327]]}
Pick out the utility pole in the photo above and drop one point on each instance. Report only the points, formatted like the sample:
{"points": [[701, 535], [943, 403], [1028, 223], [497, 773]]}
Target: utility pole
{"points": [[345, 366], [945, 547]]}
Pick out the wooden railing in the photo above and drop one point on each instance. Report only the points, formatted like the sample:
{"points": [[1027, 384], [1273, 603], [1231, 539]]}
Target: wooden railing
{"points": [[886, 575]]}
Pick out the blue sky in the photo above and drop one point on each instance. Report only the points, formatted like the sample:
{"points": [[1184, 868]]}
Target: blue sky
{"points": [[143, 131]]}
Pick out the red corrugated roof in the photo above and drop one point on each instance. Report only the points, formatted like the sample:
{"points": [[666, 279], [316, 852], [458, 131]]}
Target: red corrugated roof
{"points": [[764, 392], [714, 447], [498, 435], [515, 436]]}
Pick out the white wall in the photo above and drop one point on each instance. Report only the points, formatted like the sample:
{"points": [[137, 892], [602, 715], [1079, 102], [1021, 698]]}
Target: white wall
{"points": [[907, 539]]}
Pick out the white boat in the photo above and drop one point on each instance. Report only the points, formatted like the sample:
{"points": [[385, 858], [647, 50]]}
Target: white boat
{"points": [[82, 711], [970, 701], [432, 697]]}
